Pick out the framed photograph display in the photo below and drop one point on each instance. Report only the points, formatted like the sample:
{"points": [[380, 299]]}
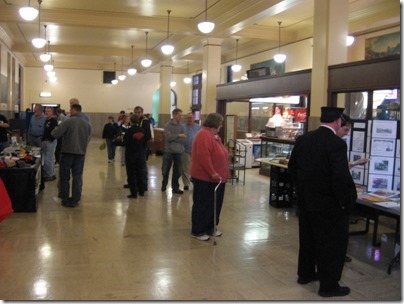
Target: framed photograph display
{"points": [[356, 156], [383, 147], [358, 141], [359, 125], [358, 175], [384, 128], [381, 165], [377, 182]]}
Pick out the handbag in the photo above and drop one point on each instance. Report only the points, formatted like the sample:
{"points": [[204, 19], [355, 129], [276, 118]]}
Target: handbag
{"points": [[5, 202]]}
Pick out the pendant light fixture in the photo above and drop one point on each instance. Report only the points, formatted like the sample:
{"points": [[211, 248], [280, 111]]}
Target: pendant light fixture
{"points": [[187, 79], [350, 40], [45, 57], [114, 81], [132, 71], [122, 76], [167, 48], [146, 62], [28, 13], [279, 57], [206, 26], [236, 67], [39, 42], [49, 67]]}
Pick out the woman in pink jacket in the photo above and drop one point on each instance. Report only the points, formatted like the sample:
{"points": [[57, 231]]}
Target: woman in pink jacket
{"points": [[209, 165]]}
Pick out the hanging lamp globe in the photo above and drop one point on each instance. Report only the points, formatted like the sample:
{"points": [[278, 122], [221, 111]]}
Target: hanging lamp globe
{"points": [[206, 26], [28, 13], [187, 80], [132, 71], [280, 58], [146, 62], [236, 68], [167, 49], [38, 42], [45, 57]]}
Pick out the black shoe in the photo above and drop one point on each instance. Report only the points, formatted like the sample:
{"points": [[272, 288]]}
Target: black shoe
{"points": [[132, 196], [341, 291], [163, 188], [49, 178], [66, 203], [126, 186], [348, 259], [178, 191], [141, 193], [186, 187], [307, 280]]}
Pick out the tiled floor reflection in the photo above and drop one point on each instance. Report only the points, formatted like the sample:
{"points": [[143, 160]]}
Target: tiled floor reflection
{"points": [[113, 248]]}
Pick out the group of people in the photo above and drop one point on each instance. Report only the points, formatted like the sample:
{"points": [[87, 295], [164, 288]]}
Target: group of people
{"points": [[195, 154], [318, 167], [63, 139]]}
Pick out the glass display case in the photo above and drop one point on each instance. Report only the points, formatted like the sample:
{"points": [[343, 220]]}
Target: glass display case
{"points": [[274, 147]]}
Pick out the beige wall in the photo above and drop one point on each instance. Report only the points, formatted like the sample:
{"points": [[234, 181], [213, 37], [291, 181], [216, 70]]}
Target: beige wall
{"points": [[95, 96]]}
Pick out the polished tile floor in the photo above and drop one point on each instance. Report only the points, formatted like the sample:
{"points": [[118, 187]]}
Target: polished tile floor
{"points": [[115, 248]]}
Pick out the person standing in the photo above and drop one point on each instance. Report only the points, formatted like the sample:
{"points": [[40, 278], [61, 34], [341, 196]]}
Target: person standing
{"points": [[209, 166], [4, 125], [76, 133], [125, 125], [135, 159], [36, 127], [145, 124], [326, 193], [49, 145], [191, 128], [109, 133], [174, 133], [60, 116]]}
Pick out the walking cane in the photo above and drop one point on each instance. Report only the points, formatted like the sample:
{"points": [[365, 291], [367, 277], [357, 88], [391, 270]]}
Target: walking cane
{"points": [[214, 211]]}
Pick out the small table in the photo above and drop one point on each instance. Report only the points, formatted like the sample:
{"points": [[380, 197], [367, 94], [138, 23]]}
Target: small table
{"points": [[280, 189], [23, 185], [373, 211]]}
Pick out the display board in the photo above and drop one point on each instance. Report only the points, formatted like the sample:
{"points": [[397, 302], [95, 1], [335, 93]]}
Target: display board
{"points": [[379, 141]]}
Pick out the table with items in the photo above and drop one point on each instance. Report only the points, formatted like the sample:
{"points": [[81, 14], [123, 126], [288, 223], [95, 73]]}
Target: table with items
{"points": [[281, 192], [20, 170]]}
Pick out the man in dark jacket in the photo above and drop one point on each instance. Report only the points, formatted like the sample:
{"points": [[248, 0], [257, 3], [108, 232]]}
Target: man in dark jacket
{"points": [[326, 194], [134, 155]]}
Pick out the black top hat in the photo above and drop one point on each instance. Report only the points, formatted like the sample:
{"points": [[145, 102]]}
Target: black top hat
{"points": [[330, 114]]}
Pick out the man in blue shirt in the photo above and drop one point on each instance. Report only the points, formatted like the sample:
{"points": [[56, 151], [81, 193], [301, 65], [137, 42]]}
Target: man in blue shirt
{"points": [[191, 128], [36, 127]]}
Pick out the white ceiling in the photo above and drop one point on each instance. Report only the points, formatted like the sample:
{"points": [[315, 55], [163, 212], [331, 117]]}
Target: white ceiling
{"points": [[93, 34]]}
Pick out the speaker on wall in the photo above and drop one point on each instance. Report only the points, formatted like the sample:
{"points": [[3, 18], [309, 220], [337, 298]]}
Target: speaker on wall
{"points": [[108, 76]]}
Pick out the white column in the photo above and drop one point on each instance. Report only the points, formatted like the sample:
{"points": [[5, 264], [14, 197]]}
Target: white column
{"points": [[210, 73], [329, 47]]}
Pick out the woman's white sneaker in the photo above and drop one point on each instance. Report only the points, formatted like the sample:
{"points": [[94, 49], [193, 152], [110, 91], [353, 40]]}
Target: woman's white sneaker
{"points": [[204, 237], [218, 233]]}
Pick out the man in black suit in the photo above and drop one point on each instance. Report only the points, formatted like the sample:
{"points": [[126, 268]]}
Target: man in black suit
{"points": [[326, 193]]}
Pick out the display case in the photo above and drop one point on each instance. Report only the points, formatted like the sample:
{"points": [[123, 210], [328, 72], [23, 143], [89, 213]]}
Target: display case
{"points": [[273, 147]]}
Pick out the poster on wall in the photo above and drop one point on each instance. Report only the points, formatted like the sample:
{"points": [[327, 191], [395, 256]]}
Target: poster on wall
{"points": [[382, 46], [381, 165]]}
